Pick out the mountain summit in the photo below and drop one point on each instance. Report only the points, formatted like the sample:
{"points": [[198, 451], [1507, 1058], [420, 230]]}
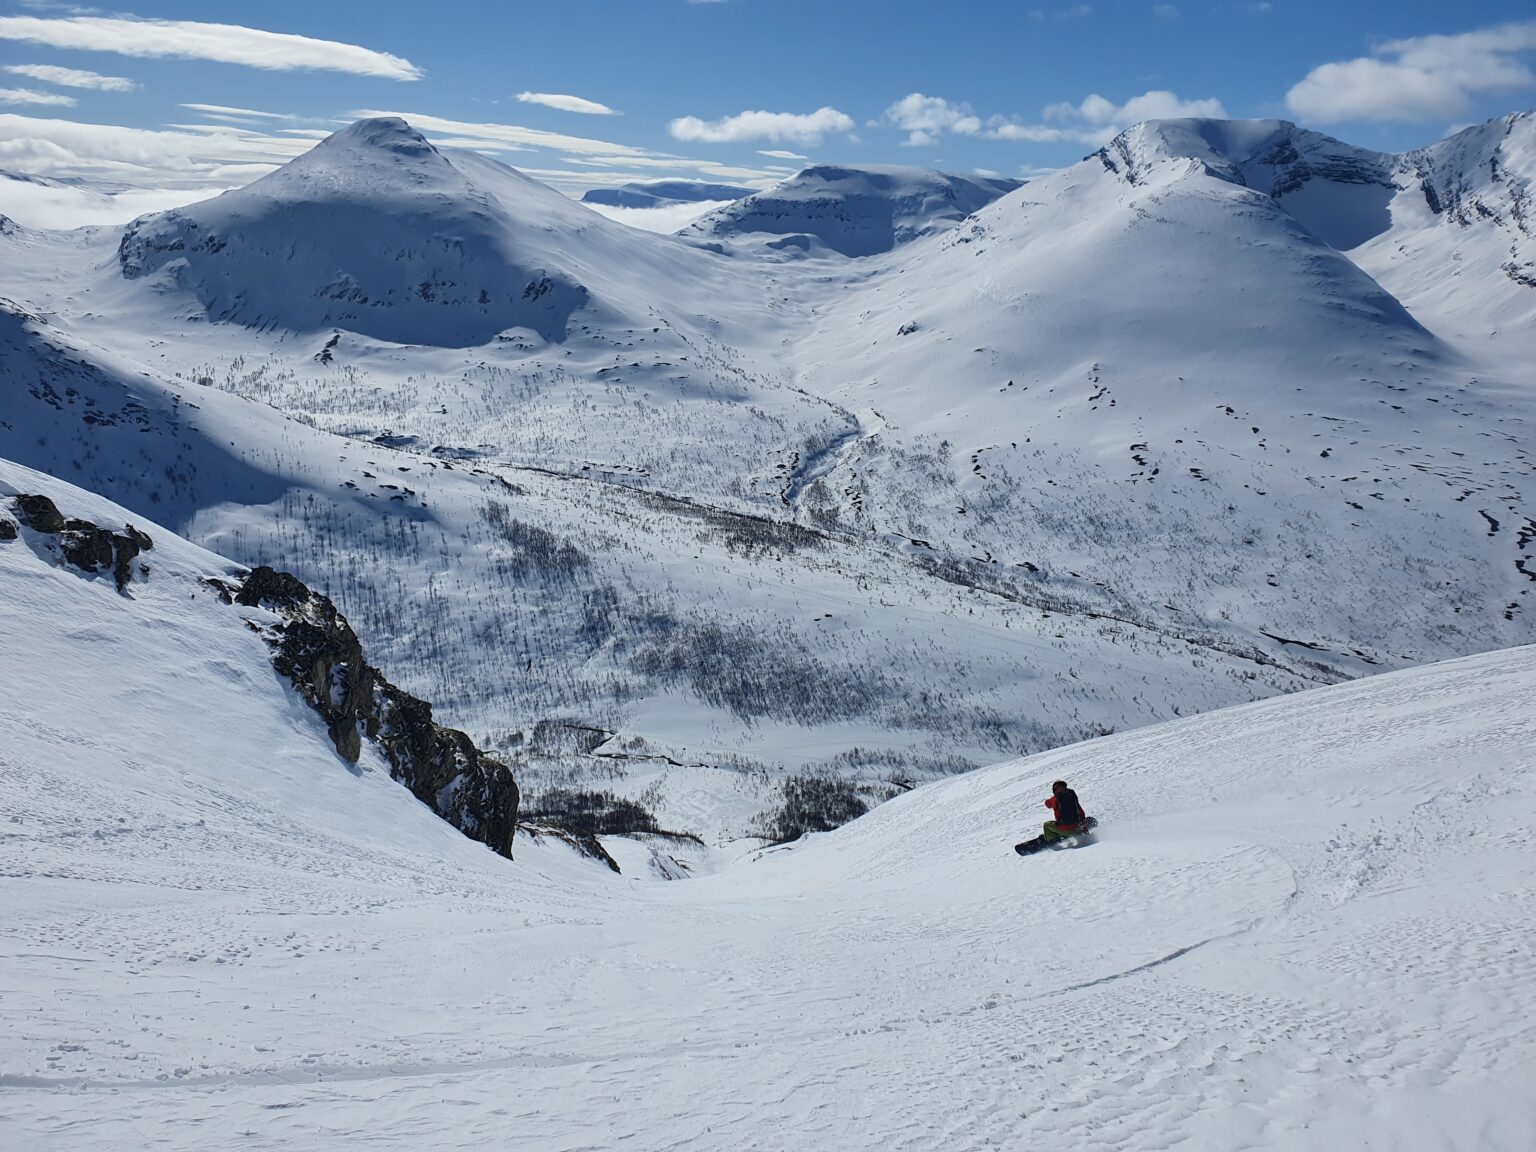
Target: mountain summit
{"points": [[374, 230]]}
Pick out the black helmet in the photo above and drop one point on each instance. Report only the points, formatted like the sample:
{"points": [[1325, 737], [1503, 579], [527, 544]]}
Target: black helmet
{"points": [[1059, 786]]}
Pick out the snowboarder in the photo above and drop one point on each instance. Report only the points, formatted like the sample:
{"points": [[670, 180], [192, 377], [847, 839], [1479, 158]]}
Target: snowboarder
{"points": [[1070, 820], [1070, 817]]}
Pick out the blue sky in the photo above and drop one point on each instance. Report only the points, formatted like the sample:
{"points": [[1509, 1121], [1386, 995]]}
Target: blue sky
{"points": [[734, 90]]}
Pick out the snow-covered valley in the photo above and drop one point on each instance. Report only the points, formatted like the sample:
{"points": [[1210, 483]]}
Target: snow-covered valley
{"points": [[679, 516], [1304, 924]]}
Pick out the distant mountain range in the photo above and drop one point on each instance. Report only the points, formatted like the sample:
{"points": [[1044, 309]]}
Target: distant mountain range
{"points": [[663, 193]]}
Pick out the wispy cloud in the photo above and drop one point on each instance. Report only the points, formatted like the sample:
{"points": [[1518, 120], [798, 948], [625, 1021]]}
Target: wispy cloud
{"points": [[1074, 12], [1424, 78], [926, 118], [31, 96], [238, 113], [794, 128], [566, 103], [780, 154], [72, 77], [193, 40], [490, 136]]}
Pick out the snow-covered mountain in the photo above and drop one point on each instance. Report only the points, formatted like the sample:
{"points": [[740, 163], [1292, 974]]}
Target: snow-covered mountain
{"points": [[850, 211], [1144, 361], [663, 194], [1132, 440], [1462, 246], [1305, 924], [377, 232]]}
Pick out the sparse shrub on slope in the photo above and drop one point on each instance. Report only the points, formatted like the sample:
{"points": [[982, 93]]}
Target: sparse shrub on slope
{"points": [[735, 668], [535, 554], [813, 804]]}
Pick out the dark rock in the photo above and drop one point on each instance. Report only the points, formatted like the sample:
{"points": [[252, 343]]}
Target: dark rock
{"points": [[39, 513], [7, 529], [87, 546], [281, 591], [317, 651]]}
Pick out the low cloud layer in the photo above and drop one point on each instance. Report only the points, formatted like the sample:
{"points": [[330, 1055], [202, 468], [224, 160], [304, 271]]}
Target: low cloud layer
{"points": [[193, 40], [1424, 78]]}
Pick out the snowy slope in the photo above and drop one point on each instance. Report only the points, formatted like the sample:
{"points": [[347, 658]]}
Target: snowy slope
{"points": [[1143, 362], [852, 211], [1304, 927], [600, 635]]}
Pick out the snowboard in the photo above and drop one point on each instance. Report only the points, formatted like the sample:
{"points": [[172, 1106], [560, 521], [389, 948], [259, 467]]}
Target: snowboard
{"points": [[1076, 840]]}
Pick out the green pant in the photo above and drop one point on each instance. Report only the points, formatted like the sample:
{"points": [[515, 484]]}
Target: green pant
{"points": [[1053, 831]]}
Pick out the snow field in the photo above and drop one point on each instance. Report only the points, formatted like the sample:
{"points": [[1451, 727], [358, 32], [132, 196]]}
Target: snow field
{"points": [[1305, 925]]}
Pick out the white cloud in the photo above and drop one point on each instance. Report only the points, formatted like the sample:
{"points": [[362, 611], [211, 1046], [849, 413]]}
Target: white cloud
{"points": [[72, 77], [31, 96], [566, 103], [773, 126], [926, 118], [1097, 120], [780, 154], [1028, 133], [222, 111], [1424, 78], [193, 40]]}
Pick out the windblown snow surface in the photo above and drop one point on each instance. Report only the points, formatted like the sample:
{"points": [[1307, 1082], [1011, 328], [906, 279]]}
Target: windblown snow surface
{"points": [[1306, 925]]}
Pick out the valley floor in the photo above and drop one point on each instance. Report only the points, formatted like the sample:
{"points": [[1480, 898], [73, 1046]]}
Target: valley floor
{"points": [[1307, 924]]}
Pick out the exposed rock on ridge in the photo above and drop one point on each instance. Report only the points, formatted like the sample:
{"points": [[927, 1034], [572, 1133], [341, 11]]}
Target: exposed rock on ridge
{"points": [[319, 653], [87, 546]]}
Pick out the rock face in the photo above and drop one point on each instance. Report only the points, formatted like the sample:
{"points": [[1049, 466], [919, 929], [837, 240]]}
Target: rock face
{"points": [[87, 546], [319, 653]]}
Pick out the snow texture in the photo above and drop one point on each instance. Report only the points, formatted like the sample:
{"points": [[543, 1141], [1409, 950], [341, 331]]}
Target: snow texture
{"points": [[1305, 926]]}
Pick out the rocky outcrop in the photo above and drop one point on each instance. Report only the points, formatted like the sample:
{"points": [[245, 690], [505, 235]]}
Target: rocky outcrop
{"points": [[316, 650], [85, 545]]}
